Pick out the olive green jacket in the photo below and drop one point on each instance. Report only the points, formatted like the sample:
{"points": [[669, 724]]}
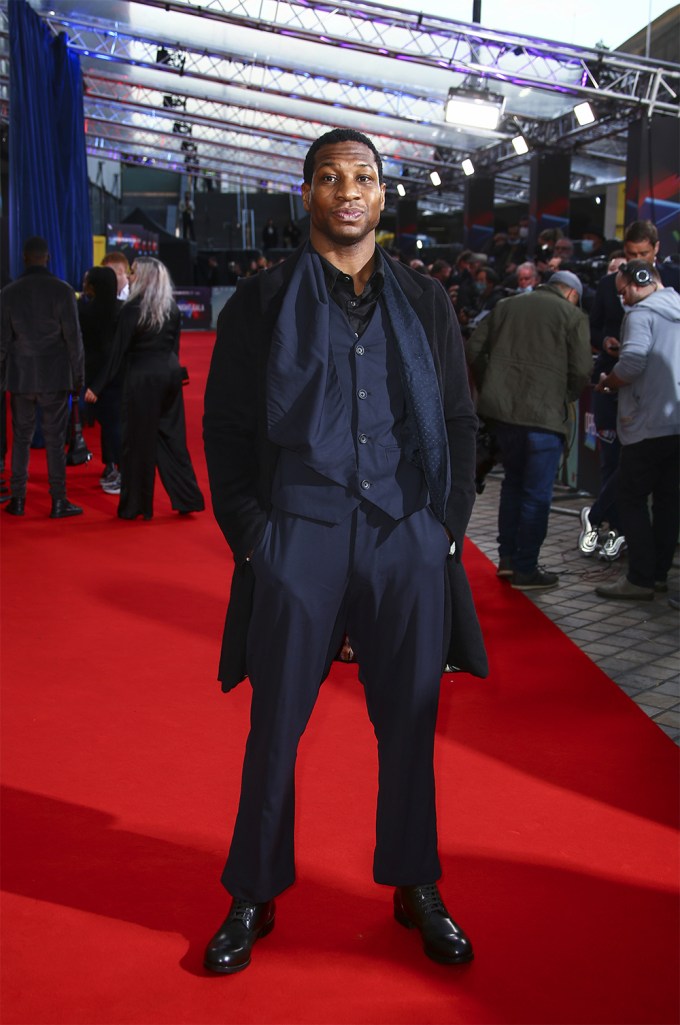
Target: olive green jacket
{"points": [[530, 358]]}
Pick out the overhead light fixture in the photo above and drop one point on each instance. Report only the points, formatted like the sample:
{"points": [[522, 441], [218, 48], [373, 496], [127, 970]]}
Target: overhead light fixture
{"points": [[520, 145], [474, 108], [434, 178], [419, 243], [584, 113], [468, 167], [401, 190]]}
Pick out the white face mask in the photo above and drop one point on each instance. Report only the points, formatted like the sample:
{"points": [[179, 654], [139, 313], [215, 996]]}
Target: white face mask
{"points": [[124, 292], [526, 288], [523, 232]]}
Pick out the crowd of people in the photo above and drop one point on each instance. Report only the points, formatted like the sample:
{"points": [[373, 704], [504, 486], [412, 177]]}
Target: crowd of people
{"points": [[340, 437], [528, 358], [115, 351]]}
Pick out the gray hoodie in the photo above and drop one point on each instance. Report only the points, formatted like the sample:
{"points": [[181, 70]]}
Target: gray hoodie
{"points": [[649, 402]]}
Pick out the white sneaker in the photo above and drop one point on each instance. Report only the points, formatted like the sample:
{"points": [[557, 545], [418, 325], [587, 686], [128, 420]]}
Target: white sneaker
{"points": [[612, 548], [587, 539]]}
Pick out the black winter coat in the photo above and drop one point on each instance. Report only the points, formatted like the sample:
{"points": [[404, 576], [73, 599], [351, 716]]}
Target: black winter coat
{"points": [[241, 460]]}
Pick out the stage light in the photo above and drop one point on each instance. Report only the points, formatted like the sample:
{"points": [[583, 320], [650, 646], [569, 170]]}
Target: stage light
{"points": [[474, 109], [468, 167], [520, 145], [401, 190], [584, 113], [434, 178]]}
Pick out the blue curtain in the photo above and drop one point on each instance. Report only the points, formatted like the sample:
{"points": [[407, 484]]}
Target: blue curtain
{"points": [[48, 188]]}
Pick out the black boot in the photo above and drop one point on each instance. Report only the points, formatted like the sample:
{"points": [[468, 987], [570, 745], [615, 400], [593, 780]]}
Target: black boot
{"points": [[15, 506], [422, 908], [229, 949], [61, 508]]}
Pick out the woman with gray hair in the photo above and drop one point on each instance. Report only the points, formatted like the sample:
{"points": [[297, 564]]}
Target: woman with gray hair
{"points": [[154, 432]]}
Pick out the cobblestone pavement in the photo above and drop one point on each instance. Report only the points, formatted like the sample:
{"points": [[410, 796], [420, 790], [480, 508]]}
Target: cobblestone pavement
{"points": [[635, 643]]}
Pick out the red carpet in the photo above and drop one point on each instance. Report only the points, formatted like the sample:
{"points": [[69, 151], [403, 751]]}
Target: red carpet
{"points": [[557, 802]]}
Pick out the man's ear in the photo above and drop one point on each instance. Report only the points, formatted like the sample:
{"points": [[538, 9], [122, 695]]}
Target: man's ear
{"points": [[306, 188]]}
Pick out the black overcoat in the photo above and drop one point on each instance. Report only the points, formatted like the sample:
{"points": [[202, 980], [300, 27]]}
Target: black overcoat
{"points": [[241, 460]]}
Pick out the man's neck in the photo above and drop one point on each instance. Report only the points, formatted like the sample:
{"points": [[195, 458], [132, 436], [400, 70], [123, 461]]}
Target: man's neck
{"points": [[357, 261]]}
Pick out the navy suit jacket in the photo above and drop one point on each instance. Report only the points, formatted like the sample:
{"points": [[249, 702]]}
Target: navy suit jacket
{"points": [[241, 459]]}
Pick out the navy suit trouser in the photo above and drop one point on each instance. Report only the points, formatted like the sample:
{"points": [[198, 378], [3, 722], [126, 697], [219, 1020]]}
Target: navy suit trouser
{"points": [[382, 582]]}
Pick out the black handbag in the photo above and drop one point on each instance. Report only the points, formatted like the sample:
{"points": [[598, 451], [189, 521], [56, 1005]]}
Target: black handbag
{"points": [[78, 452]]}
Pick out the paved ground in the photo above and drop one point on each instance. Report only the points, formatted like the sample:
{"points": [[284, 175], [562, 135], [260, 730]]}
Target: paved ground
{"points": [[635, 643]]}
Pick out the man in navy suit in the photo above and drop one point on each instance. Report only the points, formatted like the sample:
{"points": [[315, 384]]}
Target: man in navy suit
{"points": [[340, 441]]}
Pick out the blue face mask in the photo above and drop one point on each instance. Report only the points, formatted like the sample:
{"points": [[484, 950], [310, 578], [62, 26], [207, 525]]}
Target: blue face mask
{"points": [[480, 287], [587, 245]]}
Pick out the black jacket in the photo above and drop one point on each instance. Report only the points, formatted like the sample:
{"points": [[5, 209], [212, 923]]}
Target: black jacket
{"points": [[41, 349], [241, 460]]}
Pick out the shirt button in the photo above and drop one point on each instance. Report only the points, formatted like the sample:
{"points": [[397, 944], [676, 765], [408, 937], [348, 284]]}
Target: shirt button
{"points": [[359, 349], [363, 438], [362, 393], [365, 484]]}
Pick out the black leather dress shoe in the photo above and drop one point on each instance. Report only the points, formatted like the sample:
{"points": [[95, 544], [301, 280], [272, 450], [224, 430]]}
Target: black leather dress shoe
{"points": [[422, 908], [61, 508], [229, 949], [15, 506]]}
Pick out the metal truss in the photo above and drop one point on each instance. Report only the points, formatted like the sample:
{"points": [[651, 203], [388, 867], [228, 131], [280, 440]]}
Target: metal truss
{"points": [[381, 30], [131, 154], [172, 103], [90, 40], [225, 163]]}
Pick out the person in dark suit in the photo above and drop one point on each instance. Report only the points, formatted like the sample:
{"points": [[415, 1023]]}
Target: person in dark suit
{"points": [[98, 312], [146, 346], [41, 364], [340, 441]]}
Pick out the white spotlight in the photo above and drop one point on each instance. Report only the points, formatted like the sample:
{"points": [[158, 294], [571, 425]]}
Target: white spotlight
{"points": [[474, 110], [434, 178], [520, 145], [401, 190], [584, 113], [468, 167]]}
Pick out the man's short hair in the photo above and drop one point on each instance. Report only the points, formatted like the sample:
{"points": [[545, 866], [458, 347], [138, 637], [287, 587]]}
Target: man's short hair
{"points": [[115, 257], [329, 139], [641, 231], [491, 275], [35, 247], [530, 266]]}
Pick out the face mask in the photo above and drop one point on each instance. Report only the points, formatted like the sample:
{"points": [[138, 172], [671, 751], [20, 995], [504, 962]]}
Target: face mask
{"points": [[480, 286], [124, 292], [523, 232], [525, 288], [587, 245]]}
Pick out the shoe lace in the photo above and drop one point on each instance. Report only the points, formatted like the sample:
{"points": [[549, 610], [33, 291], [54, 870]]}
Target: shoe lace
{"points": [[429, 899], [242, 910]]}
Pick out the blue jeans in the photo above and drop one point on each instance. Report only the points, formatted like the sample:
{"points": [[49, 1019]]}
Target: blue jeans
{"points": [[530, 459]]}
